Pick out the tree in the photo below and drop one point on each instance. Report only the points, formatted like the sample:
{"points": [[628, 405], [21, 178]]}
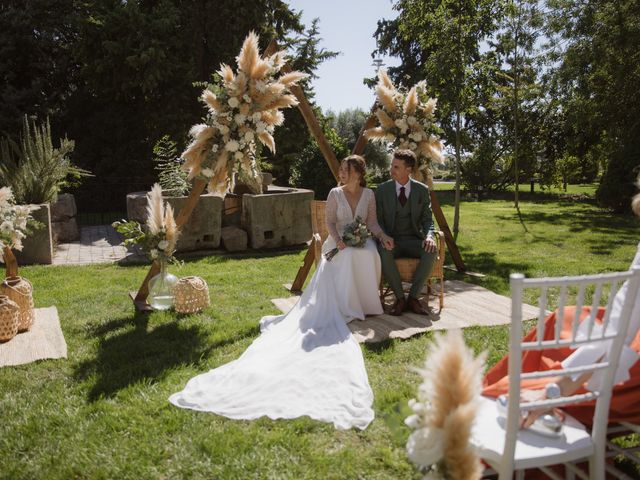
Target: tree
{"points": [[439, 41], [595, 48]]}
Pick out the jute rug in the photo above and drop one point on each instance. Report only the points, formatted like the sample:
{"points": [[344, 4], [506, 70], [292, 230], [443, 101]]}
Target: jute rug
{"points": [[44, 340], [465, 305]]}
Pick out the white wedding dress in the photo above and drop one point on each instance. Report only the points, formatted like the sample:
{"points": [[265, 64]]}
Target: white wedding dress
{"points": [[306, 362]]}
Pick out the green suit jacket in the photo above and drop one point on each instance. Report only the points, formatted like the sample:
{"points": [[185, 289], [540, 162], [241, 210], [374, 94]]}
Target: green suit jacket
{"points": [[419, 202]]}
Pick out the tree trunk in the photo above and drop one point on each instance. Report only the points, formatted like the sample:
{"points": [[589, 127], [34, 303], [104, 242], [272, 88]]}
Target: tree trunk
{"points": [[456, 209], [516, 108]]}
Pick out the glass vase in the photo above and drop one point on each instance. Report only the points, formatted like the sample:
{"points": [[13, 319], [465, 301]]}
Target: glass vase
{"points": [[161, 289]]}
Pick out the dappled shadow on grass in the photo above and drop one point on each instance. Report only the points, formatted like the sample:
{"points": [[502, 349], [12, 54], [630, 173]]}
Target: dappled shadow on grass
{"points": [[497, 271], [607, 230], [130, 350], [379, 347]]}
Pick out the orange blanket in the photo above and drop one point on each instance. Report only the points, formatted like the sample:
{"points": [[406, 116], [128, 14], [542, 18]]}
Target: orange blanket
{"points": [[625, 401]]}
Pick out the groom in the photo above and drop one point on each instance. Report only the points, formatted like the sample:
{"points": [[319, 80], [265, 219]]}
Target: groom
{"points": [[404, 213]]}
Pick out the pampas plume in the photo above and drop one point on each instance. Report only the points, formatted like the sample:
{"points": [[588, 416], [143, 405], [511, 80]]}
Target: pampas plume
{"points": [[385, 97], [267, 140], [292, 78], [249, 55], [171, 230], [211, 100], [376, 133], [383, 78], [430, 106], [226, 73], [285, 101], [260, 69], [155, 209], [385, 120], [452, 380], [411, 102]]}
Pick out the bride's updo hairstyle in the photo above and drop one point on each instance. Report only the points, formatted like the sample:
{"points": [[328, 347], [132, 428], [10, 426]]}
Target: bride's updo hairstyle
{"points": [[357, 164]]}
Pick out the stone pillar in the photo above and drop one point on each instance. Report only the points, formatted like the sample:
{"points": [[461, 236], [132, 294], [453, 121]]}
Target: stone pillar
{"points": [[63, 219], [38, 246]]}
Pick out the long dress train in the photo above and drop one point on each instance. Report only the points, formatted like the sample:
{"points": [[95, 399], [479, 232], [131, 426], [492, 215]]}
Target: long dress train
{"points": [[305, 362]]}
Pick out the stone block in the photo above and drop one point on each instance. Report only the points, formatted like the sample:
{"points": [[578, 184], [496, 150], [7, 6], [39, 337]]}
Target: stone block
{"points": [[38, 246], [65, 231], [202, 230], [279, 218], [63, 208], [234, 239]]}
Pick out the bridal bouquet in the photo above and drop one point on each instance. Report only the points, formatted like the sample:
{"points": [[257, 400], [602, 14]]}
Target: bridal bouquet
{"points": [[445, 411], [355, 235], [161, 235], [15, 221], [243, 111], [407, 121]]}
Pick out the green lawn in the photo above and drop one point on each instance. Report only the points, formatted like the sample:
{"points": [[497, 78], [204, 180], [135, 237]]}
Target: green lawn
{"points": [[103, 412]]}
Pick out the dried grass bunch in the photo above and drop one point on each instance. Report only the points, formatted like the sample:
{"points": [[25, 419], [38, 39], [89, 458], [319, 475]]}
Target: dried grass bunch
{"points": [[161, 236], [406, 120], [15, 221], [244, 109], [445, 410]]}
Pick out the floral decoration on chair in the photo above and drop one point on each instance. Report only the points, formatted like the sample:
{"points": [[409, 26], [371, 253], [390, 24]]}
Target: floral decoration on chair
{"points": [[15, 222], [445, 410], [244, 109], [407, 121]]}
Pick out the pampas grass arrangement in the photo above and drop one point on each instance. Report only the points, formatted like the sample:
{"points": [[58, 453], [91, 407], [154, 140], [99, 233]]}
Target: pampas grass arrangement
{"points": [[243, 111], [407, 120], [445, 411], [162, 233]]}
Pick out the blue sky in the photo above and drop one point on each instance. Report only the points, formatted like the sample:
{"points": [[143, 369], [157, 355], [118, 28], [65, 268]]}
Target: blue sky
{"points": [[346, 26]]}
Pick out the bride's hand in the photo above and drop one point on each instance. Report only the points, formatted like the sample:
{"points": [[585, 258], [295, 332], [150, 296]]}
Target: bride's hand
{"points": [[341, 245], [387, 242]]}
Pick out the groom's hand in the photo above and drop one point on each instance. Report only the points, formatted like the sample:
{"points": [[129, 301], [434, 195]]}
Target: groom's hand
{"points": [[387, 242], [429, 245]]}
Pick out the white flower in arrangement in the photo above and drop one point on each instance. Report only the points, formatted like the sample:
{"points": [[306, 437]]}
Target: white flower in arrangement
{"points": [[246, 98], [233, 102], [256, 117], [5, 195], [424, 446], [390, 137], [260, 127], [411, 120], [17, 244], [6, 227], [413, 145], [214, 147], [261, 86], [232, 146], [207, 172], [153, 253], [223, 129], [416, 136], [240, 118], [238, 155], [249, 136], [163, 244]]}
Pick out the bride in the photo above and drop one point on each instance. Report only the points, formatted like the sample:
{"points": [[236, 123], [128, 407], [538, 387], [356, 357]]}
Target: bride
{"points": [[306, 362]]}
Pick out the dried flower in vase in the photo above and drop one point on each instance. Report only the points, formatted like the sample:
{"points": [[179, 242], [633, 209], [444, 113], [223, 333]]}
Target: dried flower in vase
{"points": [[16, 222], [161, 235]]}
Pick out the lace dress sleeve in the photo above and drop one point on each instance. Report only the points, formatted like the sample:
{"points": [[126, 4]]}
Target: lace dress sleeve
{"points": [[372, 216], [331, 215]]}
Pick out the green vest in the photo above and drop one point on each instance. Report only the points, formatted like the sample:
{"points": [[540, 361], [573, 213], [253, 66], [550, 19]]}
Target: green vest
{"points": [[402, 223]]}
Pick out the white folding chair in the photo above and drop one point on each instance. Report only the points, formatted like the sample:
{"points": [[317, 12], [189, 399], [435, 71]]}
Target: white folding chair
{"points": [[500, 442]]}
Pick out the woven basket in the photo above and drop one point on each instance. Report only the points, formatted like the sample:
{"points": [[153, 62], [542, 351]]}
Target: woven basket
{"points": [[9, 318], [191, 294], [20, 291]]}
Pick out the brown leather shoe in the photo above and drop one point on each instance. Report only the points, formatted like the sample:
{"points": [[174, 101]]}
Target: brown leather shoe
{"points": [[416, 307], [398, 307]]}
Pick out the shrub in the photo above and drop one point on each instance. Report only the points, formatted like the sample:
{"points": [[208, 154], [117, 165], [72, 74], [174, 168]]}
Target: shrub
{"points": [[33, 168], [171, 177]]}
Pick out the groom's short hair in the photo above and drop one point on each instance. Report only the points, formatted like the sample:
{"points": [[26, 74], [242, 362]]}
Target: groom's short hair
{"points": [[407, 156]]}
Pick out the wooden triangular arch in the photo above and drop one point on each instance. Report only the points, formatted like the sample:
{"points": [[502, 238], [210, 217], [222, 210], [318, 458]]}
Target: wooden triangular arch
{"points": [[140, 298]]}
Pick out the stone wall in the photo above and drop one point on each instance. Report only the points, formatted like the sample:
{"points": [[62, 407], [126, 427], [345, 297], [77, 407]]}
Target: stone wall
{"points": [[202, 231], [38, 246], [278, 218], [63, 219]]}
